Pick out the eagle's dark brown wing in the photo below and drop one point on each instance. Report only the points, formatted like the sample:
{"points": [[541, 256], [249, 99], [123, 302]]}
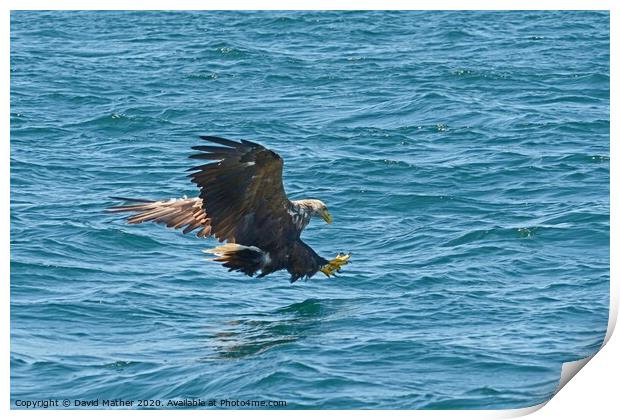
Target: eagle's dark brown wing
{"points": [[186, 213], [243, 194]]}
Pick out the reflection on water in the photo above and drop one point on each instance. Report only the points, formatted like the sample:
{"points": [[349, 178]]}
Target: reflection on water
{"points": [[256, 333]]}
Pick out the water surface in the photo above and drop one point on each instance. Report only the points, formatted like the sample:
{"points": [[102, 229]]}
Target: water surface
{"points": [[463, 155]]}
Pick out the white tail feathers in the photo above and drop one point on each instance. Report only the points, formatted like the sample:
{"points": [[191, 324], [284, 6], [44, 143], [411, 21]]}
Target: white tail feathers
{"points": [[222, 250], [247, 259]]}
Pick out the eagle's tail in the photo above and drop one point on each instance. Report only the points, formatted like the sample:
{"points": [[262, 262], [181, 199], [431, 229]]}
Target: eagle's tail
{"points": [[246, 259]]}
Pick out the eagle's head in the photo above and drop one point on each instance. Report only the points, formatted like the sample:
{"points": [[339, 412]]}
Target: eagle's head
{"points": [[315, 208]]}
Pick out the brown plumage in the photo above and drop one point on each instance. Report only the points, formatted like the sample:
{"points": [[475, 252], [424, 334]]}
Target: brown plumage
{"points": [[186, 213], [242, 201]]}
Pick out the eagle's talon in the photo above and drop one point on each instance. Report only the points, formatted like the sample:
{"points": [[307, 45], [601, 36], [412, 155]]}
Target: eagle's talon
{"points": [[334, 266]]}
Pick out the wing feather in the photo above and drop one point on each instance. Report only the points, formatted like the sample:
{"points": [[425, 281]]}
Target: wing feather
{"points": [[243, 194], [220, 140], [175, 213]]}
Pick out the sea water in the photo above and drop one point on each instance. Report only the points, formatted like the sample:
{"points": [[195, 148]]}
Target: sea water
{"points": [[464, 157]]}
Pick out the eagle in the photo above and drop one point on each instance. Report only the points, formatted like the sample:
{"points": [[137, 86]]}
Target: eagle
{"points": [[242, 202]]}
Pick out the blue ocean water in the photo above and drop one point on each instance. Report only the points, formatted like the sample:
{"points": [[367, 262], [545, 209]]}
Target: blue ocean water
{"points": [[463, 155]]}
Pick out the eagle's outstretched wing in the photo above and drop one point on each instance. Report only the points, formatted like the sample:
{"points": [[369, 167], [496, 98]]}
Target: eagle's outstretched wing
{"points": [[186, 213], [243, 194]]}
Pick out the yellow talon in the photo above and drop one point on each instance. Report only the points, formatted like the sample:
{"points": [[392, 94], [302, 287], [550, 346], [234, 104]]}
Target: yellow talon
{"points": [[335, 265]]}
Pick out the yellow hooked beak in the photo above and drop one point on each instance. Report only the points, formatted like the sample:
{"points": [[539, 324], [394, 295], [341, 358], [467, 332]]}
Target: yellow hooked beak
{"points": [[327, 217]]}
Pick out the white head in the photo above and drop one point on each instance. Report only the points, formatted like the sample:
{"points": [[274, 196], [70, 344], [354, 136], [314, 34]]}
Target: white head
{"points": [[315, 208]]}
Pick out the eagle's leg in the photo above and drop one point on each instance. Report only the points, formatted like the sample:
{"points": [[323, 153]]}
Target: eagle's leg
{"points": [[335, 265]]}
